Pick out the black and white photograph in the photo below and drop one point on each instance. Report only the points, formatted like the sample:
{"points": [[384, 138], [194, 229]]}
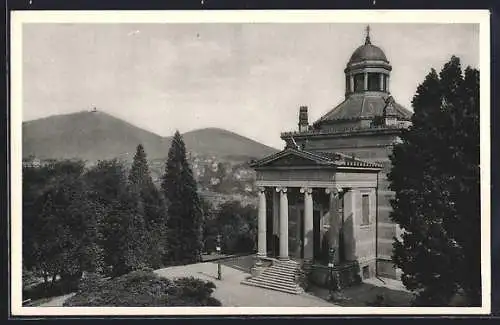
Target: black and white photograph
{"points": [[237, 162]]}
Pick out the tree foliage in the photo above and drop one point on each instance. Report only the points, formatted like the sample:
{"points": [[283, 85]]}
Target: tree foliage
{"points": [[123, 229], [236, 224], [183, 203], [435, 176], [60, 234], [152, 204], [108, 220]]}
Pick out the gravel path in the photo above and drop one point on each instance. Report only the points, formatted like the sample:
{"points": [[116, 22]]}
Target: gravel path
{"points": [[57, 301], [232, 293]]}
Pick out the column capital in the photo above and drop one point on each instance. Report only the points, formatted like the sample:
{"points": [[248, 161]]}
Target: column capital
{"points": [[261, 189], [334, 190], [281, 189], [307, 190]]}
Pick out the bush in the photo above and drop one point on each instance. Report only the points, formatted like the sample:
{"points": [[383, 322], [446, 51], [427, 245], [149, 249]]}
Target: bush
{"points": [[90, 282], [45, 290], [143, 288], [29, 279]]}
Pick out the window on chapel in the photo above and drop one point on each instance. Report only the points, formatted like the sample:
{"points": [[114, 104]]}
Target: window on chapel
{"points": [[365, 209]]}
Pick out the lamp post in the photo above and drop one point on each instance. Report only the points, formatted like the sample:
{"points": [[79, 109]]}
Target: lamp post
{"points": [[333, 279], [218, 249]]}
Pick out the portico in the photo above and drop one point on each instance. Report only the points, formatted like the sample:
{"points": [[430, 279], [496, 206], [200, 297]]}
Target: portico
{"points": [[314, 206]]}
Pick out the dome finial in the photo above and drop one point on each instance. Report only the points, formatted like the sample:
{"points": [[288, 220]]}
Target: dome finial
{"points": [[367, 40]]}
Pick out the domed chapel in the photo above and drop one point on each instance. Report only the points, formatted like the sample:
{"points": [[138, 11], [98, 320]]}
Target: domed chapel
{"points": [[324, 200]]}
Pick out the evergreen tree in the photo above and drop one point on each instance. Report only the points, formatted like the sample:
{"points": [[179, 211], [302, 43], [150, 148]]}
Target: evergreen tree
{"points": [[122, 228], [435, 176], [184, 211], [153, 205]]}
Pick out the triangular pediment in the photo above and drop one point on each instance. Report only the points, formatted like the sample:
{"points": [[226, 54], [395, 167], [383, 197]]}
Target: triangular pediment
{"points": [[301, 158], [290, 158]]}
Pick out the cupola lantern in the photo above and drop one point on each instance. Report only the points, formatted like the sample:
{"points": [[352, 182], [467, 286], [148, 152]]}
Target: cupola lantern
{"points": [[368, 69]]}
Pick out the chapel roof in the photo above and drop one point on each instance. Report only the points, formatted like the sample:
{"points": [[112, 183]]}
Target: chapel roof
{"points": [[364, 106]]}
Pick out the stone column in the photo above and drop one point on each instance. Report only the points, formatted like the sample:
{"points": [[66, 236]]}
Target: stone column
{"points": [[366, 81], [381, 82], [387, 84], [283, 222], [351, 82], [308, 224], [262, 247], [334, 220]]}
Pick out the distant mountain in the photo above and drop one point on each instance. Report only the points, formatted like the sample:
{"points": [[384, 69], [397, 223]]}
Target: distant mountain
{"points": [[223, 143], [96, 135]]}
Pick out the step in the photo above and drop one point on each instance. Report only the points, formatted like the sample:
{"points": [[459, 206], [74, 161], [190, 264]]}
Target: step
{"points": [[272, 287], [280, 274], [284, 267], [289, 285], [276, 279], [288, 262], [291, 274]]}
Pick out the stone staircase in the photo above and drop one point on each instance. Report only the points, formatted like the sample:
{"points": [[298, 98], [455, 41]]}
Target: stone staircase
{"points": [[280, 276]]}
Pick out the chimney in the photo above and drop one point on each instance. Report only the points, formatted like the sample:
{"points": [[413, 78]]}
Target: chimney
{"points": [[303, 119]]}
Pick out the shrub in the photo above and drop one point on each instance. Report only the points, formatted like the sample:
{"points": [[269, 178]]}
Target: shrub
{"points": [[90, 282], [51, 289], [143, 288]]}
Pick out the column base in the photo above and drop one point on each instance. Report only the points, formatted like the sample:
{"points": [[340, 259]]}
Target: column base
{"points": [[257, 269], [259, 258], [284, 258]]}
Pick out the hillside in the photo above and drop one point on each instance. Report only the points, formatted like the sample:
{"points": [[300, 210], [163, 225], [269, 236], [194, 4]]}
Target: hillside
{"points": [[87, 135], [223, 143], [96, 135]]}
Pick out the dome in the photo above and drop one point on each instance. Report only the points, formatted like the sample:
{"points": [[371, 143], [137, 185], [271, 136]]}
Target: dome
{"points": [[368, 52]]}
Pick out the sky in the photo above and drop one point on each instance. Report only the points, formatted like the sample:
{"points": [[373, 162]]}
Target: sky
{"points": [[247, 78]]}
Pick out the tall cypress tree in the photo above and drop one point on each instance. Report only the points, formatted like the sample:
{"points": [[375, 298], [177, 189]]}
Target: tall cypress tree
{"points": [[151, 202], [184, 210], [435, 178]]}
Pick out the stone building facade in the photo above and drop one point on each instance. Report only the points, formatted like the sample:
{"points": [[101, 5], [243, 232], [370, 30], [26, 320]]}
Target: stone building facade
{"points": [[328, 187]]}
